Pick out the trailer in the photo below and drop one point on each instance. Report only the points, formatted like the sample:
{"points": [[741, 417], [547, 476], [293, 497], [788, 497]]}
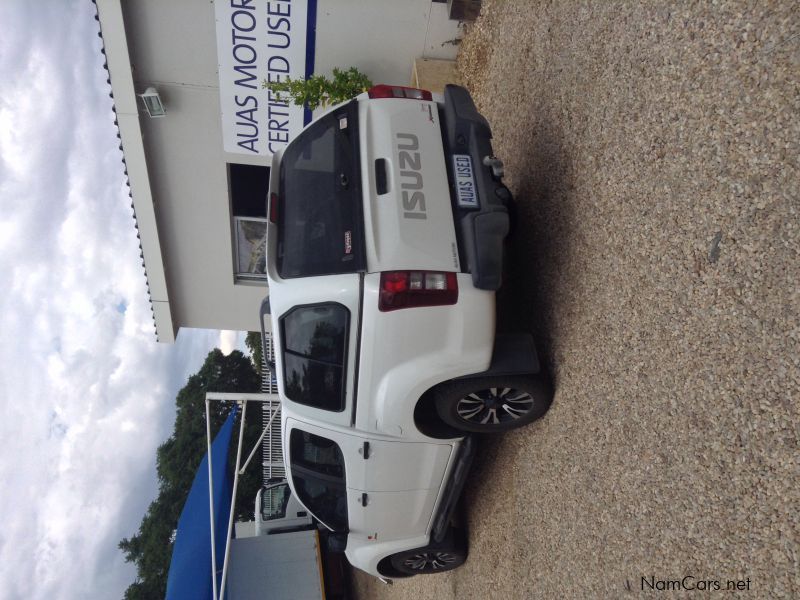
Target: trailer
{"points": [[287, 565]]}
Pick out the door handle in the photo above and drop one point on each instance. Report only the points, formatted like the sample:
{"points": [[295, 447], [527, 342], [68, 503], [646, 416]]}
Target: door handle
{"points": [[381, 182], [364, 450], [364, 500]]}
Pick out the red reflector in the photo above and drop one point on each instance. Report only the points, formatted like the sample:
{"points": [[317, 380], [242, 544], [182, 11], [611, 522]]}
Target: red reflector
{"points": [[381, 91], [394, 282], [273, 207], [408, 289], [398, 91]]}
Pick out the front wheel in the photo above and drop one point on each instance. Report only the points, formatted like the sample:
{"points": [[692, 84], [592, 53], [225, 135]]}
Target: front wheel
{"points": [[434, 558], [493, 404]]}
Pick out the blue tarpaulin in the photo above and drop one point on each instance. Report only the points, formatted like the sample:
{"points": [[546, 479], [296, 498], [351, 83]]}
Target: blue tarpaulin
{"points": [[190, 568]]}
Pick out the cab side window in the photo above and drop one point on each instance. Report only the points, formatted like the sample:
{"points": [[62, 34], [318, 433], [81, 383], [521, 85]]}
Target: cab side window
{"points": [[314, 342], [274, 501]]}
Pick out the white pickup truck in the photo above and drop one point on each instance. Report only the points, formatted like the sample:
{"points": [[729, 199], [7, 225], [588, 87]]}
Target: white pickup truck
{"points": [[387, 219]]}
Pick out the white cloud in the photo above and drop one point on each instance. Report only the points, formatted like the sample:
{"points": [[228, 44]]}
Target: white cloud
{"points": [[231, 340], [87, 394]]}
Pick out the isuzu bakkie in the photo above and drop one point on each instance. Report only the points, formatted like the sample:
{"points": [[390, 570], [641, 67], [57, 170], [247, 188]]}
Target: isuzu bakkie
{"points": [[387, 220]]}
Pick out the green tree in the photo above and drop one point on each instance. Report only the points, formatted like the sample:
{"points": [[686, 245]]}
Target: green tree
{"points": [[177, 460], [253, 342], [318, 90]]}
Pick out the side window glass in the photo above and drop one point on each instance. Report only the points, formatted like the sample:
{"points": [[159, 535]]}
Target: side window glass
{"points": [[314, 352], [317, 453], [317, 332], [273, 502], [318, 473]]}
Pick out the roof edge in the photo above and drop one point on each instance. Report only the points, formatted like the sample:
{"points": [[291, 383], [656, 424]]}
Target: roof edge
{"points": [[126, 118]]}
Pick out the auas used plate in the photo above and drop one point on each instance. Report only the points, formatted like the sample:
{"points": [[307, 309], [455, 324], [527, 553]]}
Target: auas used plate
{"points": [[465, 181]]}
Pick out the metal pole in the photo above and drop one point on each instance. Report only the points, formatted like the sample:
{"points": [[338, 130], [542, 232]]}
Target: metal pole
{"points": [[211, 503], [226, 397], [258, 443], [240, 396], [269, 445], [233, 503]]}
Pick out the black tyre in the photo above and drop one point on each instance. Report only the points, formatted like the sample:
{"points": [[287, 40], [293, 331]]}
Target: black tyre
{"points": [[493, 404], [434, 558]]}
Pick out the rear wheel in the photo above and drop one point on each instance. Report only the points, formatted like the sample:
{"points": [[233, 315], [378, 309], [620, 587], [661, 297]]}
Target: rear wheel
{"points": [[493, 404]]}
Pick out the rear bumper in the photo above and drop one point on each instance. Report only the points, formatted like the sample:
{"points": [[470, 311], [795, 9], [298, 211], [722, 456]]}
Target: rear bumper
{"points": [[480, 231]]}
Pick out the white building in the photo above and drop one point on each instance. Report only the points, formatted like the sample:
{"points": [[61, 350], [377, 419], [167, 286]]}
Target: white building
{"points": [[198, 173]]}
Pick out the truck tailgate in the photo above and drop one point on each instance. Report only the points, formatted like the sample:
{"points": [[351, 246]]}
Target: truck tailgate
{"points": [[408, 217]]}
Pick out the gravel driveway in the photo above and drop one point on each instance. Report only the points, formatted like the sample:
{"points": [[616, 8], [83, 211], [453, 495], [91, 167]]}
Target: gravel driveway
{"points": [[654, 155]]}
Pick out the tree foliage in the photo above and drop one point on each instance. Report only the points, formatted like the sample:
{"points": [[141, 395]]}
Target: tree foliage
{"points": [[318, 90], [177, 459], [253, 342]]}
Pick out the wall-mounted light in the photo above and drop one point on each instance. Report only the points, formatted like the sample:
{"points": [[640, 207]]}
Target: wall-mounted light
{"points": [[152, 102]]}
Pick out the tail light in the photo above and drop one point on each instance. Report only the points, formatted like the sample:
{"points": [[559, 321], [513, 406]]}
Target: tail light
{"points": [[407, 289], [273, 207], [397, 91]]}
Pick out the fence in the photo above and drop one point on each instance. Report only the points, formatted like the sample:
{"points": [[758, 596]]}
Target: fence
{"points": [[271, 449]]}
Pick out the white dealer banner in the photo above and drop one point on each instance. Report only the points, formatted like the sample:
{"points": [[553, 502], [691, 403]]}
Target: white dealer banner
{"points": [[259, 40]]}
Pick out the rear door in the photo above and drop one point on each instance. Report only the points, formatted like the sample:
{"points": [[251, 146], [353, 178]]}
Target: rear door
{"points": [[402, 481], [377, 489], [324, 467], [403, 466], [407, 208]]}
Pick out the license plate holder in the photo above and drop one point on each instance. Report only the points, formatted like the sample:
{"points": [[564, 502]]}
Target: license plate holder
{"points": [[464, 176]]}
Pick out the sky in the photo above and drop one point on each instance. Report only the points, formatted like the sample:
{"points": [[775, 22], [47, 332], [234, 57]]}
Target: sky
{"points": [[87, 394]]}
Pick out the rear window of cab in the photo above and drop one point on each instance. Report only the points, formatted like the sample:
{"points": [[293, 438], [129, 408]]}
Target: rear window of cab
{"points": [[314, 349], [320, 218]]}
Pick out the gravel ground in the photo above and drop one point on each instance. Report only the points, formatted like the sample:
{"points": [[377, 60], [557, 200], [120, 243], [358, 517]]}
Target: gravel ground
{"points": [[654, 154]]}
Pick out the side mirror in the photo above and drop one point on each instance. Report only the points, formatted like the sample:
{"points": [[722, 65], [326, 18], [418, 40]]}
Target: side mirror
{"points": [[337, 542]]}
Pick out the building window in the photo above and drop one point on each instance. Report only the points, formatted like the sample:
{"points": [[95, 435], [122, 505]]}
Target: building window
{"points": [[249, 188], [251, 247]]}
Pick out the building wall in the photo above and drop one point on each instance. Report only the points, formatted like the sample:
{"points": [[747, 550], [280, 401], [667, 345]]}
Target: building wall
{"points": [[382, 38], [172, 46]]}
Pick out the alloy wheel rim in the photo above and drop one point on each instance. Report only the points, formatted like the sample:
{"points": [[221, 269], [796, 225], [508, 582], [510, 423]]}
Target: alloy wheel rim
{"points": [[494, 406], [429, 561]]}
